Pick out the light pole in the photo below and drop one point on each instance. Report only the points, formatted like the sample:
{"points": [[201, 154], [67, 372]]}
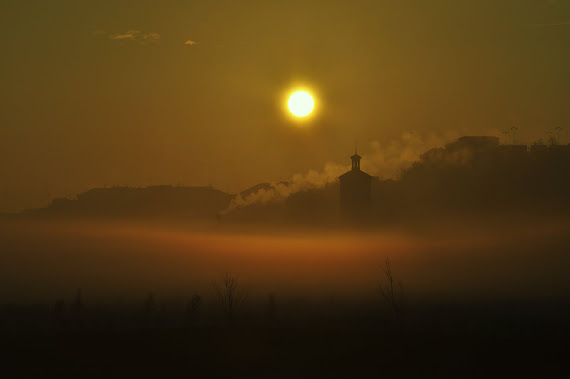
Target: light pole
{"points": [[505, 132], [514, 129]]}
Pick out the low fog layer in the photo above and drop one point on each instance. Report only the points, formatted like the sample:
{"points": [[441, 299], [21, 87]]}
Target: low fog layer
{"points": [[125, 261]]}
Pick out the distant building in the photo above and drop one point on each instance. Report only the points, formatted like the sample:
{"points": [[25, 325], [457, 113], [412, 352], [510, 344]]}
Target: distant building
{"points": [[355, 192], [513, 149], [474, 143]]}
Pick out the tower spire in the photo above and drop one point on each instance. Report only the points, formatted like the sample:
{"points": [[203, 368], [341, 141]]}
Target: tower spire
{"points": [[355, 158]]}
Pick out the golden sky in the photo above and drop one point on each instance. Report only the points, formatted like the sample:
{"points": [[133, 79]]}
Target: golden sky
{"points": [[147, 92]]}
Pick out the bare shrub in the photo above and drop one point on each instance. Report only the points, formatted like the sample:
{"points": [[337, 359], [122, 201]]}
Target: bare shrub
{"points": [[231, 294], [387, 288]]}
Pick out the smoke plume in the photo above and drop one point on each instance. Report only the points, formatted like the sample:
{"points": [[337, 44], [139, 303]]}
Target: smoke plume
{"points": [[387, 160], [279, 191], [384, 160]]}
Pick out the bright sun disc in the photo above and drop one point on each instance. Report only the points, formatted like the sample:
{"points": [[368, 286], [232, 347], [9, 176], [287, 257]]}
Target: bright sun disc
{"points": [[301, 103]]}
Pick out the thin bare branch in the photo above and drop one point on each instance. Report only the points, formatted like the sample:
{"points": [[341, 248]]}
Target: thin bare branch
{"points": [[231, 294], [386, 289]]}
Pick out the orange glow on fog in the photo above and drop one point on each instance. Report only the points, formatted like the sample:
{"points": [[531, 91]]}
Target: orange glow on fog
{"points": [[134, 259]]}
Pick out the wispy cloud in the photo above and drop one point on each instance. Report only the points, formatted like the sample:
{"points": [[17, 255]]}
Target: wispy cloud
{"points": [[135, 36], [131, 34], [151, 37]]}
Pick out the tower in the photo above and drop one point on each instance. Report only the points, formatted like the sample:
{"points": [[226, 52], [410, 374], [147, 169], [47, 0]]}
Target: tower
{"points": [[355, 192], [356, 161]]}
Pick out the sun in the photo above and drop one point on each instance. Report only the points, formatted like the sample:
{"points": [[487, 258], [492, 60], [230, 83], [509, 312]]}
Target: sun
{"points": [[301, 103]]}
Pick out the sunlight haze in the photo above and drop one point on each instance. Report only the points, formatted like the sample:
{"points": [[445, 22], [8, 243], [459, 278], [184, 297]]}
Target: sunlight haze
{"points": [[143, 93]]}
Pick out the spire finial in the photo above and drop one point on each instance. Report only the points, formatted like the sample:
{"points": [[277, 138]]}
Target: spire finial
{"points": [[355, 158]]}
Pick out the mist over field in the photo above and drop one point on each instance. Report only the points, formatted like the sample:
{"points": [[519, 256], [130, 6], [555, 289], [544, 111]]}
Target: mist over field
{"points": [[284, 189], [124, 261]]}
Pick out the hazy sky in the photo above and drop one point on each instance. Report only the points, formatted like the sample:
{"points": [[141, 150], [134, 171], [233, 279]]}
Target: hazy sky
{"points": [[100, 93]]}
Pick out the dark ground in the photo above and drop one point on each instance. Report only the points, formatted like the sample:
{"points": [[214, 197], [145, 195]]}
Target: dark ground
{"points": [[505, 340], [482, 304]]}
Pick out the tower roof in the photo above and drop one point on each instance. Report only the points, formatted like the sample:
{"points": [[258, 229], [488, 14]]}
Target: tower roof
{"points": [[355, 173]]}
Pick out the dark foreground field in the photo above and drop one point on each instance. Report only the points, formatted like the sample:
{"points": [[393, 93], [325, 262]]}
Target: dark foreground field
{"points": [[499, 344], [115, 300]]}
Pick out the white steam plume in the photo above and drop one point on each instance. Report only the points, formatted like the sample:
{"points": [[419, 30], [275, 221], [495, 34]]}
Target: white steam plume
{"points": [[385, 160], [312, 179]]}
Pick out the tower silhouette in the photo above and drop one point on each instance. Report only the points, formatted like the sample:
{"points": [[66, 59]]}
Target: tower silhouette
{"points": [[355, 192], [356, 159]]}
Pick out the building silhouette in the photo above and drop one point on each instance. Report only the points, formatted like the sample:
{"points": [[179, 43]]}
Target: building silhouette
{"points": [[355, 192]]}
